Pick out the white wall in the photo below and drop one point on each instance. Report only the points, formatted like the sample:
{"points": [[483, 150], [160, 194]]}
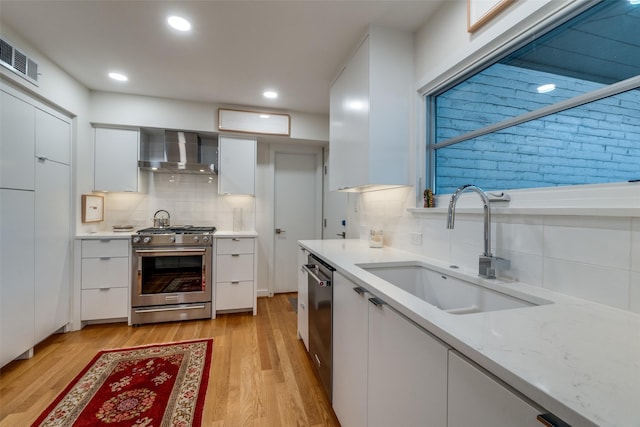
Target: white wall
{"points": [[591, 249]]}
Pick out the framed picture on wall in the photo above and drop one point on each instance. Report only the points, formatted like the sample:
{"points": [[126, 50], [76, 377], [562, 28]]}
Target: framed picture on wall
{"points": [[92, 208], [479, 12]]}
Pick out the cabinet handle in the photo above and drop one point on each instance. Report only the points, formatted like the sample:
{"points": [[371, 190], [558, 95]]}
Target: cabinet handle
{"points": [[105, 258], [42, 158], [360, 290], [551, 420], [377, 302], [105, 240], [235, 282], [302, 306], [104, 289], [235, 254], [235, 239]]}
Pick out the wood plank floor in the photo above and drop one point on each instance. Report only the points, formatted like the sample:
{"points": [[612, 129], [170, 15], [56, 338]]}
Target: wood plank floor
{"points": [[260, 375]]}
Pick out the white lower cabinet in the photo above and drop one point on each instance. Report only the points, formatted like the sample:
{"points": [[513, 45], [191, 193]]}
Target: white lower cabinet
{"points": [[105, 273], [475, 399], [303, 299], [17, 291], [350, 347], [235, 287], [386, 370]]}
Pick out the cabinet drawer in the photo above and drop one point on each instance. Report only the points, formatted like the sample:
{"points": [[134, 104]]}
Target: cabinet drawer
{"points": [[104, 303], [231, 268], [235, 246], [105, 273], [234, 295], [105, 248]]}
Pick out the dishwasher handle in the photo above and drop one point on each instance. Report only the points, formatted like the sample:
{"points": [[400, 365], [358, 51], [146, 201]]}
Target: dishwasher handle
{"points": [[311, 270]]}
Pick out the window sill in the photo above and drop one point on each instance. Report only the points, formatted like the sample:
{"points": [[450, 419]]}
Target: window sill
{"points": [[538, 211]]}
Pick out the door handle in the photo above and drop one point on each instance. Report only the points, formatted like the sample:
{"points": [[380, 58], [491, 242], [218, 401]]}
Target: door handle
{"points": [[343, 234], [279, 230]]}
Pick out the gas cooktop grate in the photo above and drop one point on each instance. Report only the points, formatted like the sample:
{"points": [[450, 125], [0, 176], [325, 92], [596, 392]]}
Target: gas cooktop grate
{"points": [[184, 229]]}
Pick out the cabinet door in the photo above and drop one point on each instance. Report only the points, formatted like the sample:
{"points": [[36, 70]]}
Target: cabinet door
{"points": [[53, 247], [477, 400], [116, 159], [237, 165], [350, 345], [53, 138], [16, 275], [349, 123], [234, 295], [17, 146], [233, 268], [303, 299], [105, 273], [106, 303], [407, 372]]}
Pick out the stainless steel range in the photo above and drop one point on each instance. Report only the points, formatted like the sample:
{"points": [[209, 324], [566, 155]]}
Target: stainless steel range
{"points": [[171, 274]]}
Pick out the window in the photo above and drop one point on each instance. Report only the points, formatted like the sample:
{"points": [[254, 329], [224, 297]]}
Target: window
{"points": [[563, 109]]}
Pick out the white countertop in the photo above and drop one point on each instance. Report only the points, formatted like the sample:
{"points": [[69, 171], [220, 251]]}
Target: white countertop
{"points": [[127, 234], [578, 359]]}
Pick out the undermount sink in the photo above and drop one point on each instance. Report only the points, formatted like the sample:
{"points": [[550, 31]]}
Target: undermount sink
{"points": [[447, 293]]}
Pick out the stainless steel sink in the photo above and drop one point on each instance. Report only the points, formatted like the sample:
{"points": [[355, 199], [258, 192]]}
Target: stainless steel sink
{"points": [[445, 292]]}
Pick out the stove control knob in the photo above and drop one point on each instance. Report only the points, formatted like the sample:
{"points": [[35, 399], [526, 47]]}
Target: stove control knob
{"points": [[172, 239], [205, 239], [196, 238], [136, 239], [146, 240]]}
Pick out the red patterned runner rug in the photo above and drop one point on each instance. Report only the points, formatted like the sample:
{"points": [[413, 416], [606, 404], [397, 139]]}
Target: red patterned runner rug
{"points": [[155, 385]]}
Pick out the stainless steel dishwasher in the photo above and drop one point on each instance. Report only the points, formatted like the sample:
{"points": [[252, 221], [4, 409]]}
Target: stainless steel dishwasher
{"points": [[320, 317]]}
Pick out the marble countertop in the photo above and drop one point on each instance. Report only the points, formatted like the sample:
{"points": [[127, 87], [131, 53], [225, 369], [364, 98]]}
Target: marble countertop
{"points": [[577, 359]]}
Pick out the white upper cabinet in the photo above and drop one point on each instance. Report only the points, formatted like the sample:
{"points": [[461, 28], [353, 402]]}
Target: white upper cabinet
{"points": [[17, 149], [116, 159], [53, 138], [237, 165], [370, 114]]}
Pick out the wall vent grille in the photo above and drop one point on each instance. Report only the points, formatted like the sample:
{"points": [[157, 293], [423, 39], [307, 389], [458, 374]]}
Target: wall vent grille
{"points": [[18, 62]]}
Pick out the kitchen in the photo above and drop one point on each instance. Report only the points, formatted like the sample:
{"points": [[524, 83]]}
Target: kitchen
{"points": [[406, 230]]}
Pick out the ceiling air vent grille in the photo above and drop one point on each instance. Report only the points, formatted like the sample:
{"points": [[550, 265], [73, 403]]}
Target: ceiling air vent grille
{"points": [[18, 62]]}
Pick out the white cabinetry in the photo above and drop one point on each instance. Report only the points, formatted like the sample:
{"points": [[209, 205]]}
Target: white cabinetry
{"points": [[116, 160], [53, 247], [237, 165], [350, 346], [17, 148], [478, 400], [104, 279], [234, 272], [36, 201], [303, 299], [17, 293], [400, 368], [370, 110]]}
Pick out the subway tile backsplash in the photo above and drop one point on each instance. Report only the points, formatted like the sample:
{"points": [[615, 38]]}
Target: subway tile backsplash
{"points": [[190, 200], [590, 257]]}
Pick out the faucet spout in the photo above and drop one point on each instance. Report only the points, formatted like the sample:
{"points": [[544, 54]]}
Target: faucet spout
{"points": [[451, 214]]}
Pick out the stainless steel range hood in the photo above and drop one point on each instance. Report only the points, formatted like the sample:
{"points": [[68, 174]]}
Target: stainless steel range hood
{"points": [[181, 155]]}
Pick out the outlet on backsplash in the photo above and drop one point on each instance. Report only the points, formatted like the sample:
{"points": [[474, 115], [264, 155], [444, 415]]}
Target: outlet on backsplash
{"points": [[416, 238]]}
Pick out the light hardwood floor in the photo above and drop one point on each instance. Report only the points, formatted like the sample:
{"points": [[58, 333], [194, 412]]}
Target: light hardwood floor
{"points": [[260, 375]]}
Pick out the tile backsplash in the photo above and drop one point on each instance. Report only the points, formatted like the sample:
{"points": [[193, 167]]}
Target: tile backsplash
{"points": [[591, 257], [189, 199]]}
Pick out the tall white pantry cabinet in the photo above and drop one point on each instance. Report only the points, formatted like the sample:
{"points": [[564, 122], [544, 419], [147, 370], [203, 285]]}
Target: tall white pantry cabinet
{"points": [[35, 222]]}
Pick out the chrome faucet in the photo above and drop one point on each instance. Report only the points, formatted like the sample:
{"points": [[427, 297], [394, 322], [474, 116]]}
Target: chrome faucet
{"points": [[487, 263]]}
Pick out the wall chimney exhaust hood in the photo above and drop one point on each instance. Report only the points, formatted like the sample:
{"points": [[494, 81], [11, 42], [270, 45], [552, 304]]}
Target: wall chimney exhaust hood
{"points": [[182, 154]]}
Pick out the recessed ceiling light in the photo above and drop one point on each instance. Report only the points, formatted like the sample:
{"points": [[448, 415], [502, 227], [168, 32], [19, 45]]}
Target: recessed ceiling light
{"points": [[270, 94], [179, 23], [118, 76], [546, 88]]}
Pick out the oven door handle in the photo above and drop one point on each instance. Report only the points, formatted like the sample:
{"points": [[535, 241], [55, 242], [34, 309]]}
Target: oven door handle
{"points": [[150, 251]]}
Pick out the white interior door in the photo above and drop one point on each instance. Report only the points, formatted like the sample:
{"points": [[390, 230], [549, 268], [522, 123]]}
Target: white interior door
{"points": [[298, 212]]}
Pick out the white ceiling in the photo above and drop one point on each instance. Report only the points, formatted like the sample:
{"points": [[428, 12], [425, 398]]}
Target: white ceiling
{"points": [[236, 50]]}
